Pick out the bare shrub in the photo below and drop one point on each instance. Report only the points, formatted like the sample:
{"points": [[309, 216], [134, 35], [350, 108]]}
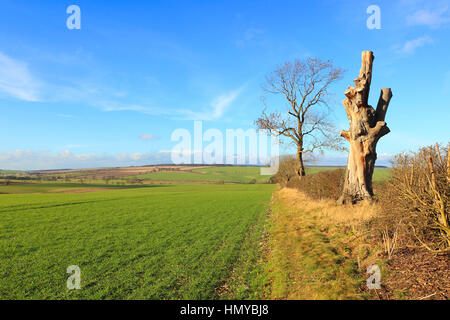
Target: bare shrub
{"points": [[323, 185], [286, 171], [418, 193], [320, 185], [390, 242]]}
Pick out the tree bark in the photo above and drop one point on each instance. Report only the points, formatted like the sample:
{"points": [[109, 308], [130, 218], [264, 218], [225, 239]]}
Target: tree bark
{"points": [[367, 126], [301, 167]]}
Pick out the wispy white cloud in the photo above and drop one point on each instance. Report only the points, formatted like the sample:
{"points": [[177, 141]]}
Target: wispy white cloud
{"points": [[16, 79], [217, 108], [118, 106], [221, 103], [43, 159], [430, 18], [65, 116], [410, 46], [111, 106], [146, 137], [250, 36]]}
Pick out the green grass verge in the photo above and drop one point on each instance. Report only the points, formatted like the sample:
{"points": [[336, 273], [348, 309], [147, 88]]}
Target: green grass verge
{"points": [[309, 259]]}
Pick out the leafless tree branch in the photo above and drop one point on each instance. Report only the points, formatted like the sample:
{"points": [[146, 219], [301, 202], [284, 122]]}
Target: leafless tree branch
{"points": [[305, 87]]}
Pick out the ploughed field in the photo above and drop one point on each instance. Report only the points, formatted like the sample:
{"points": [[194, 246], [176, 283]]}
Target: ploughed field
{"points": [[141, 242]]}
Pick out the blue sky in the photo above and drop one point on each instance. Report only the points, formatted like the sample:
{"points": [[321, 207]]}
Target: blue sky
{"points": [[113, 92]]}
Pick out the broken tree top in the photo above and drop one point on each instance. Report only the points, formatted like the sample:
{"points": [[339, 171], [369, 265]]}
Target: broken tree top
{"points": [[357, 98], [367, 126]]}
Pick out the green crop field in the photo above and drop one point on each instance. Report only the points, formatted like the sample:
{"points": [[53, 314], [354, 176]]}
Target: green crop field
{"points": [[137, 241], [8, 172], [217, 174], [236, 174], [153, 242], [380, 174], [211, 174], [60, 187]]}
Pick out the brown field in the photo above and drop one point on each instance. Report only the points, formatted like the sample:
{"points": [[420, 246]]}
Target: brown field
{"points": [[77, 190], [119, 172]]}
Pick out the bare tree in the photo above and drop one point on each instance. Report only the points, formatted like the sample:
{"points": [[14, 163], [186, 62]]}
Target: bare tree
{"points": [[367, 126], [304, 86]]}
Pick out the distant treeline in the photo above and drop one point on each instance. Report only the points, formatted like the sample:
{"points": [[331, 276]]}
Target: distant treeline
{"points": [[12, 177]]}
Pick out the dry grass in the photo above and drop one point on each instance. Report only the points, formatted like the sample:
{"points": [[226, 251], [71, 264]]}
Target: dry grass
{"points": [[317, 250], [322, 251], [326, 209]]}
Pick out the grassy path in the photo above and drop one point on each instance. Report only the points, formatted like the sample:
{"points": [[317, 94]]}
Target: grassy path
{"points": [[311, 254]]}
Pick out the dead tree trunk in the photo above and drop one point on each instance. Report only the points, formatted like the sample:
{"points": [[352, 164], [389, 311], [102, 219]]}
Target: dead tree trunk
{"points": [[367, 126]]}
